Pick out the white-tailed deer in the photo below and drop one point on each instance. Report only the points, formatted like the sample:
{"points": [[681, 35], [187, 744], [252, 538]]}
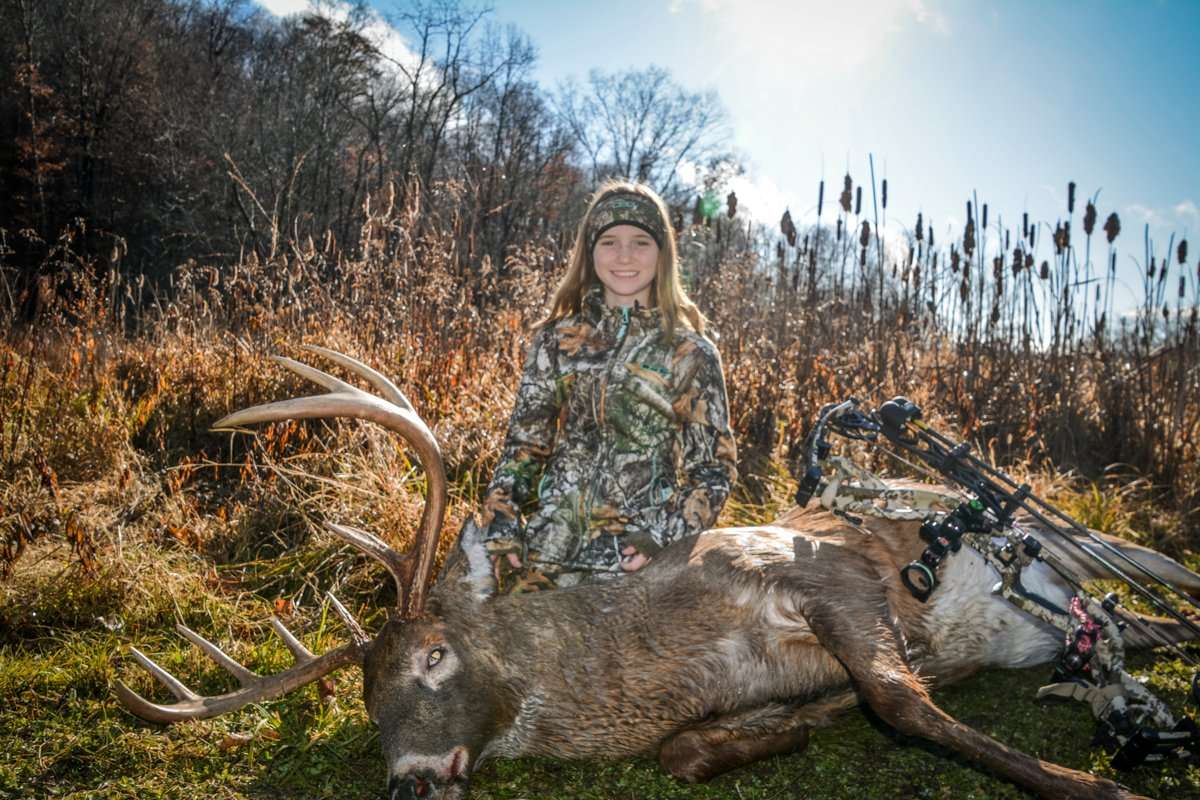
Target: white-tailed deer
{"points": [[729, 647]]}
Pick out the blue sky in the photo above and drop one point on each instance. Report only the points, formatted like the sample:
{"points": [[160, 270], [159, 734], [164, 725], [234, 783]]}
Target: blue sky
{"points": [[1008, 99]]}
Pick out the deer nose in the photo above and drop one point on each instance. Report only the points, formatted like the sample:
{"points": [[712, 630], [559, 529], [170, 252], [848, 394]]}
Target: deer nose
{"points": [[410, 787]]}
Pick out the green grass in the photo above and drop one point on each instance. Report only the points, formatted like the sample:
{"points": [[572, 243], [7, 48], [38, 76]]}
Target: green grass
{"points": [[62, 734]]}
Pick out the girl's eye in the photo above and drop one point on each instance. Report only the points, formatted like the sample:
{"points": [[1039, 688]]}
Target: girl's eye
{"points": [[435, 657]]}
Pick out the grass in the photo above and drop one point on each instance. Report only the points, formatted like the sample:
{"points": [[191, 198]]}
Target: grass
{"points": [[121, 513], [65, 736]]}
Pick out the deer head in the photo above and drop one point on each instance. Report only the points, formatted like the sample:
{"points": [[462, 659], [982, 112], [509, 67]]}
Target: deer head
{"points": [[423, 688]]}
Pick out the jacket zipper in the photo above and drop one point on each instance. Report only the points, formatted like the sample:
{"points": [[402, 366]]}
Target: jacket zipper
{"points": [[602, 456]]}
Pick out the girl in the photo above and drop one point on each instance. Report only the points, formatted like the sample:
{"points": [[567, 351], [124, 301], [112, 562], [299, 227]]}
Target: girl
{"points": [[619, 443]]}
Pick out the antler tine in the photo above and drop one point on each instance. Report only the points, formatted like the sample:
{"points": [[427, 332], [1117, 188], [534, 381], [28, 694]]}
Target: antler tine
{"points": [[356, 631], [172, 683], [254, 688], [399, 566], [377, 379], [244, 676], [395, 414], [301, 653]]}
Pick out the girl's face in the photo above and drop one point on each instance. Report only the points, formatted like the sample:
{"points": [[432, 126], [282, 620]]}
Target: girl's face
{"points": [[626, 259]]}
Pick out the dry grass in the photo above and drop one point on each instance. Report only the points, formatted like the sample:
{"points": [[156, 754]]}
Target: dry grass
{"points": [[121, 512]]}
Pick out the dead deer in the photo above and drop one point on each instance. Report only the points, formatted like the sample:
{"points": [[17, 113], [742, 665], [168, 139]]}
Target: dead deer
{"points": [[729, 647]]}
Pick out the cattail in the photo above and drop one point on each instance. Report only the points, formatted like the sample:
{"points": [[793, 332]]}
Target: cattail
{"points": [[839, 228], [885, 194], [970, 215], [858, 201], [864, 237], [998, 269], [933, 262], [1182, 252], [1153, 267], [1071, 197], [964, 289], [1112, 263], [787, 227], [1182, 285], [1089, 218], [1112, 227], [1025, 225], [1017, 262], [920, 234], [969, 238], [1006, 238], [1166, 313], [844, 199], [931, 238], [1044, 271], [779, 250], [1062, 237], [820, 197], [953, 259], [1028, 260], [862, 255], [731, 204], [985, 216]]}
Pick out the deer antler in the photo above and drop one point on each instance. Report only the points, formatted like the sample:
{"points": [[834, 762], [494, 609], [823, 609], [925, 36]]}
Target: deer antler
{"points": [[254, 688], [412, 572]]}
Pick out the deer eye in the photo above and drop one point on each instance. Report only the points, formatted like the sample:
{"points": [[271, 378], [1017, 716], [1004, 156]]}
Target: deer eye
{"points": [[435, 657]]}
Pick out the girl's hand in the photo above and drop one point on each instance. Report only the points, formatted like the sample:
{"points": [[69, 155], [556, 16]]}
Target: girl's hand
{"points": [[513, 561], [632, 560]]}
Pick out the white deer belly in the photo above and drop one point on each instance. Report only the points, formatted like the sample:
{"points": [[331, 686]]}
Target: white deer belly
{"points": [[971, 628]]}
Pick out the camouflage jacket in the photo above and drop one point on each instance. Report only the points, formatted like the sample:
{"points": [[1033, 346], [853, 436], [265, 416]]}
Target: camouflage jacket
{"points": [[617, 438]]}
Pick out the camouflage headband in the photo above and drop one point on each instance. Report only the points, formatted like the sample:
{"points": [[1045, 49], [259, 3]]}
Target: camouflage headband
{"points": [[626, 208]]}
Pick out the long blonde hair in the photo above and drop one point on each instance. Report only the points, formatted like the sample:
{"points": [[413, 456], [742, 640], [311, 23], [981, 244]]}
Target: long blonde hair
{"points": [[666, 291]]}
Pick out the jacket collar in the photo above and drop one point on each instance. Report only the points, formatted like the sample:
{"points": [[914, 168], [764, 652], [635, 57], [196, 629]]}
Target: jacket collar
{"points": [[596, 311]]}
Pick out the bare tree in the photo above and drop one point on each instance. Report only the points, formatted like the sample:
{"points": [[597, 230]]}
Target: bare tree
{"points": [[641, 124]]}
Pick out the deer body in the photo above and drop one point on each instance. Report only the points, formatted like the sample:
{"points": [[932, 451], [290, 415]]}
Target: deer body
{"points": [[728, 647], [713, 640]]}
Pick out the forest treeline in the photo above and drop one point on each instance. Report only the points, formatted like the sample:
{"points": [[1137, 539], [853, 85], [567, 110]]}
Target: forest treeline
{"points": [[202, 129], [177, 172]]}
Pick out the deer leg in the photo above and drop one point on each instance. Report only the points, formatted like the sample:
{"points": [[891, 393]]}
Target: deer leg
{"points": [[1165, 567], [734, 740], [855, 624], [1161, 631]]}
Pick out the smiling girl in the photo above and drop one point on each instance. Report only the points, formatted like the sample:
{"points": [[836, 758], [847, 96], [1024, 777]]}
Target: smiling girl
{"points": [[619, 443]]}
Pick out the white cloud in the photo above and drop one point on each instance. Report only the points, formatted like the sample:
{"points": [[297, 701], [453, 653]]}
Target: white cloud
{"points": [[1145, 214], [1187, 209], [814, 35], [762, 200], [1163, 216], [925, 16], [285, 8], [378, 31]]}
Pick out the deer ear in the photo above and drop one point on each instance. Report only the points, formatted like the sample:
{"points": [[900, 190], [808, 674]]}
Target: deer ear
{"points": [[468, 567]]}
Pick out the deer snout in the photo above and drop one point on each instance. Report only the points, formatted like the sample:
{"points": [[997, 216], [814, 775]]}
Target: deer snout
{"points": [[410, 787], [430, 777]]}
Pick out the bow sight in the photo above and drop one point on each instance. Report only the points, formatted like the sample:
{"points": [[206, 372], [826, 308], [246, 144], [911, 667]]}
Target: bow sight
{"points": [[1132, 721]]}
